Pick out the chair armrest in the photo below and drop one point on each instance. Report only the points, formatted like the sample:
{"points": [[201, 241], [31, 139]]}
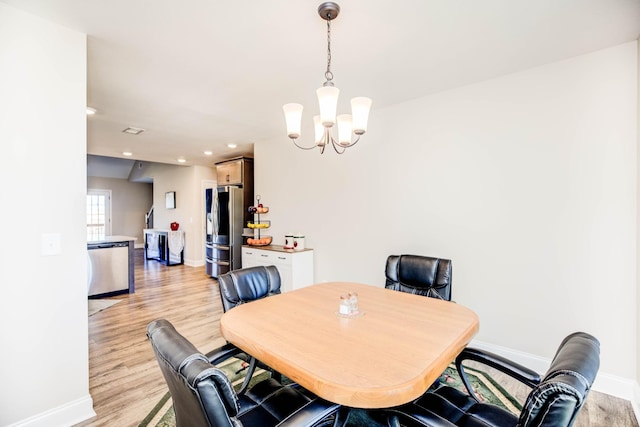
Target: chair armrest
{"points": [[411, 415], [506, 366], [223, 353], [228, 350], [310, 414]]}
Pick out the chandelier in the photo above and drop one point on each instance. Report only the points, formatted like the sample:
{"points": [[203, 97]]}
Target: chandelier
{"points": [[348, 124]]}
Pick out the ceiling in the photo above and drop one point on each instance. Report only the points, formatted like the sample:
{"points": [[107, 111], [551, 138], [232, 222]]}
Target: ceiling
{"points": [[199, 74]]}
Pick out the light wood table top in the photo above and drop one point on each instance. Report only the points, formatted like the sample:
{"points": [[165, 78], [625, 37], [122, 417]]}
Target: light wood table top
{"points": [[387, 356]]}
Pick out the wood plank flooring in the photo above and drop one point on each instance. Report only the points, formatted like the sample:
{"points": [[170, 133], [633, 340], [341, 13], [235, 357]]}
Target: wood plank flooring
{"points": [[125, 381]]}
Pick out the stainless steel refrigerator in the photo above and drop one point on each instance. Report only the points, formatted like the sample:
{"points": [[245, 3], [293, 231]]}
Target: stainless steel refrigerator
{"points": [[225, 218]]}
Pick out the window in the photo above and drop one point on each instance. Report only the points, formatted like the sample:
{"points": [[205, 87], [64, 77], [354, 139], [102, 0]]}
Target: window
{"points": [[98, 214]]}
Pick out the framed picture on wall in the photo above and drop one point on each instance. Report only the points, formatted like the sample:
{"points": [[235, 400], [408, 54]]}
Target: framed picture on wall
{"points": [[170, 199]]}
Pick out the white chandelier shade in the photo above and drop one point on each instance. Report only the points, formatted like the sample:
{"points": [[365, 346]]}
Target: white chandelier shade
{"points": [[293, 117], [360, 108]]}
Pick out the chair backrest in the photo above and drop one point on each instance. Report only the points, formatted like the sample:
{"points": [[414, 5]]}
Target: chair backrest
{"points": [[563, 390], [248, 284], [202, 394], [419, 275]]}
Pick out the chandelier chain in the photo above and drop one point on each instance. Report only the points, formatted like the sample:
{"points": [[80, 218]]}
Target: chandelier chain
{"points": [[328, 74]]}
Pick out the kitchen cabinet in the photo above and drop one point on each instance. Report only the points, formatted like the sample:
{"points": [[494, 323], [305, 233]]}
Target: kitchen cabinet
{"points": [[295, 267], [238, 171]]}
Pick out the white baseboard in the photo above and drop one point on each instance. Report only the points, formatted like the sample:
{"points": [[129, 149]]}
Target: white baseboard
{"points": [[66, 415], [194, 262], [613, 385]]}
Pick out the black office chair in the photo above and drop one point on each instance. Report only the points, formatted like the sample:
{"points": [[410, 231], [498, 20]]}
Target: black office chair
{"points": [[419, 275], [553, 402], [248, 284], [243, 286], [203, 396]]}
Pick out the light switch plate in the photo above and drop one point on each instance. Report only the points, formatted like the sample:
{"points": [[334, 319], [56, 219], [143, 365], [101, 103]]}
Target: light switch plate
{"points": [[50, 244]]}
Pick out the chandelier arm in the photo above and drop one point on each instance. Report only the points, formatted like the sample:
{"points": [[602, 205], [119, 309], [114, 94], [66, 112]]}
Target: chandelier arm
{"points": [[353, 143], [300, 146], [343, 146], [326, 140], [336, 145]]}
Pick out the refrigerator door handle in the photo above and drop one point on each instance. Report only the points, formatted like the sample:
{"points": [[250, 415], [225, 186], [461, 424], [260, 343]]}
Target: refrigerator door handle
{"points": [[215, 210]]}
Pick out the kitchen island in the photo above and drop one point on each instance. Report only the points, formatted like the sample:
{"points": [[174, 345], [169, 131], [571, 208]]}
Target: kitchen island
{"points": [[110, 266], [166, 246]]}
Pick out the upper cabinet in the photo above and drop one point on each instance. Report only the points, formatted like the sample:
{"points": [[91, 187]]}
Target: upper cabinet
{"points": [[238, 171]]}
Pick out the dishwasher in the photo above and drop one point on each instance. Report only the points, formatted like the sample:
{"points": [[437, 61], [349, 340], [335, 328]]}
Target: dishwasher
{"points": [[108, 269]]}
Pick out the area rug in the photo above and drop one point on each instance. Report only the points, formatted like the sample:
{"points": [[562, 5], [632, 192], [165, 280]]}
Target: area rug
{"points": [[97, 305], [487, 390]]}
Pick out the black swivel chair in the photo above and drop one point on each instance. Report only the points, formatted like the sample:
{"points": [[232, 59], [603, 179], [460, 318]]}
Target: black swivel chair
{"points": [[419, 275], [248, 284], [243, 286], [203, 396], [553, 402]]}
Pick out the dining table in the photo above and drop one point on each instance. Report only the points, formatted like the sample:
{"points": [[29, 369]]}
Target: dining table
{"points": [[387, 353]]}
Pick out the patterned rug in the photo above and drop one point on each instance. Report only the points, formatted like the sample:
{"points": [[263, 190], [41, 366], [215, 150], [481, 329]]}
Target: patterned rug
{"points": [[487, 390]]}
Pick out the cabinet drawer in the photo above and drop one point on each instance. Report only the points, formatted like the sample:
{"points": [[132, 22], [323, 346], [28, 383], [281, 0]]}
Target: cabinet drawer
{"points": [[295, 268], [278, 258], [266, 257]]}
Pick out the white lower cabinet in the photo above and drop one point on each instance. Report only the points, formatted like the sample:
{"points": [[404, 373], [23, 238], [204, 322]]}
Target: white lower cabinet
{"points": [[295, 267]]}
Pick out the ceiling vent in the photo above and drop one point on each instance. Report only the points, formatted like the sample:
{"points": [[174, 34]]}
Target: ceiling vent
{"points": [[133, 131]]}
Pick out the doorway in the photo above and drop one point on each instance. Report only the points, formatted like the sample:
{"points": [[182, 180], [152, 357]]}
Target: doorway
{"points": [[98, 214]]}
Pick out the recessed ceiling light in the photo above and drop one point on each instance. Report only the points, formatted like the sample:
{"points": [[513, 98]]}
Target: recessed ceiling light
{"points": [[133, 131], [127, 153], [208, 153], [181, 160], [91, 111], [232, 145]]}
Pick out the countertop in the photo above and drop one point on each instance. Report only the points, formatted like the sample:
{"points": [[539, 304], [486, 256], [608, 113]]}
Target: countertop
{"points": [[111, 239], [276, 248]]}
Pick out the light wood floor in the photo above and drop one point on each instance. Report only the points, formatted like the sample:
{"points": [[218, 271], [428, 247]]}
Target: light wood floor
{"points": [[125, 380]]}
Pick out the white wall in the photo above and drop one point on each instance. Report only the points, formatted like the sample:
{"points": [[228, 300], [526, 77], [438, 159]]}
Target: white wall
{"points": [[130, 201], [527, 182], [186, 181], [43, 308]]}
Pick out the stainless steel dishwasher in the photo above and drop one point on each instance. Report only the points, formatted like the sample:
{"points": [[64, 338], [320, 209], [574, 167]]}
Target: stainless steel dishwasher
{"points": [[108, 269]]}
